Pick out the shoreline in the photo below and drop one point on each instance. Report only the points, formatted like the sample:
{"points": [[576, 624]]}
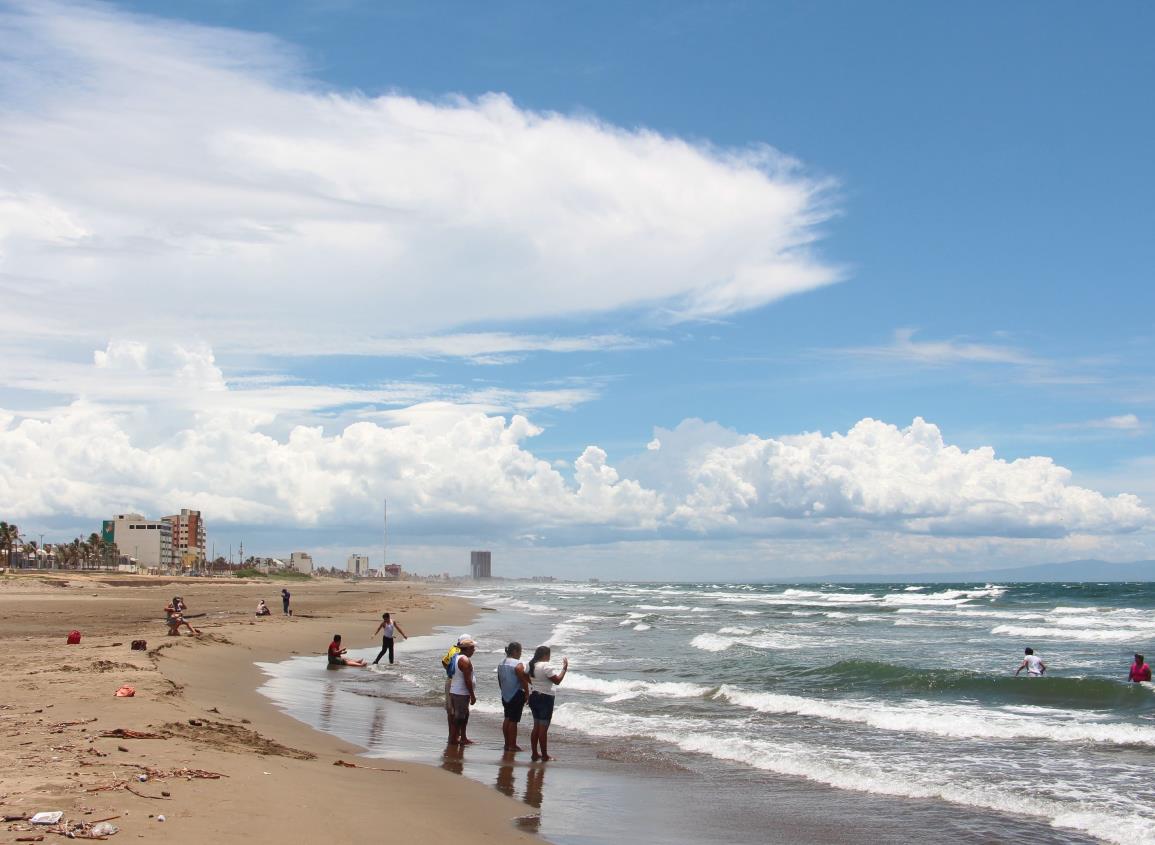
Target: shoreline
{"points": [[280, 777]]}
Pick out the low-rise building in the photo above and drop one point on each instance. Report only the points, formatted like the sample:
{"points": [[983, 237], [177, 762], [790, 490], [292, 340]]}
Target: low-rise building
{"points": [[148, 542], [302, 562]]}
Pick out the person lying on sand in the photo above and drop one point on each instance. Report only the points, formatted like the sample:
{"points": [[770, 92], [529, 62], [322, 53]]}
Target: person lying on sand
{"points": [[174, 620], [337, 654]]}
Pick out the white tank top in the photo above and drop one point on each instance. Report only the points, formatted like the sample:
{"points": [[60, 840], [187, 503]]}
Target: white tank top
{"points": [[1034, 665], [457, 686], [389, 630]]}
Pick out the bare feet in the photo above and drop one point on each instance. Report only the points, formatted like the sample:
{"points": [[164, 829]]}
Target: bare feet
{"points": [[465, 741], [535, 757], [546, 758]]}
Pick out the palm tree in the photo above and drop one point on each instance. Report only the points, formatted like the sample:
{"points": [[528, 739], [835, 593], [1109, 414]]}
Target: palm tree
{"points": [[9, 537]]}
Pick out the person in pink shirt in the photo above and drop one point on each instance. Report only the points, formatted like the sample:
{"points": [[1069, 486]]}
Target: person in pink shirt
{"points": [[1140, 671]]}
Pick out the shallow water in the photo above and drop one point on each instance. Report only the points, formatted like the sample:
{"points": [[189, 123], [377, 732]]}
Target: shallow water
{"points": [[738, 713]]}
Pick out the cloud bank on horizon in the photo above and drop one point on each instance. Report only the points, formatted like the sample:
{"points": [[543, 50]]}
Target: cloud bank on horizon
{"points": [[171, 192]]}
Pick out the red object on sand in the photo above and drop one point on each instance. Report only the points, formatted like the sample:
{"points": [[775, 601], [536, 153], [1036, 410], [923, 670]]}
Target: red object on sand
{"points": [[73, 637], [125, 692]]}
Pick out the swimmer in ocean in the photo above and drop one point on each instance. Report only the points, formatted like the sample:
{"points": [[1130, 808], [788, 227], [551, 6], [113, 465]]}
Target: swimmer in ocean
{"points": [[1032, 663]]}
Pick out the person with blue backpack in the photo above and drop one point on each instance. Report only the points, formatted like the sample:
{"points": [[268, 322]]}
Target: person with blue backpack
{"points": [[450, 664]]}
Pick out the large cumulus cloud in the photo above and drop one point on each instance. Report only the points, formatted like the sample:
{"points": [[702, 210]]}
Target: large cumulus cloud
{"points": [[202, 441]]}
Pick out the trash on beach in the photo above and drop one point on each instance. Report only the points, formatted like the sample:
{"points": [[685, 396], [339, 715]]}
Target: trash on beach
{"points": [[125, 692], [47, 817], [104, 829], [160, 818], [140, 645], [73, 637], [359, 766]]}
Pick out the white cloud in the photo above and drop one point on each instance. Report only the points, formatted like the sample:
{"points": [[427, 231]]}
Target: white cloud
{"points": [[942, 352], [447, 467], [175, 181]]}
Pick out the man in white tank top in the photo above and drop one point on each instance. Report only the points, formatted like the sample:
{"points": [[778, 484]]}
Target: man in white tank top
{"points": [[461, 693]]}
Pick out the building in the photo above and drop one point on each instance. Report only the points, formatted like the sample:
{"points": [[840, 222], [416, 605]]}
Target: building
{"points": [[357, 565], [393, 570], [148, 542], [188, 538], [302, 562], [479, 565]]}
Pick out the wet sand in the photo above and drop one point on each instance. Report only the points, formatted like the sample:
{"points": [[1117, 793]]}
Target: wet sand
{"points": [[277, 778]]}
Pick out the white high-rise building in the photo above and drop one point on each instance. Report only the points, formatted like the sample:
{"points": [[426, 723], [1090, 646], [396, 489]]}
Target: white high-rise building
{"points": [[302, 562], [357, 565], [149, 542]]}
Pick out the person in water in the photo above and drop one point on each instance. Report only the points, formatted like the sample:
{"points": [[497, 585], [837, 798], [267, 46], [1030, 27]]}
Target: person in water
{"points": [[1140, 671], [387, 629], [337, 654], [1032, 663], [544, 676], [461, 692], [514, 683]]}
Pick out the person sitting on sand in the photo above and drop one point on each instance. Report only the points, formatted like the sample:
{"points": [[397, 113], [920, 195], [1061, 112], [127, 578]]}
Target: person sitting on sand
{"points": [[1033, 664], [337, 654], [544, 676], [1140, 671], [174, 619], [514, 684], [263, 609], [387, 629], [461, 693]]}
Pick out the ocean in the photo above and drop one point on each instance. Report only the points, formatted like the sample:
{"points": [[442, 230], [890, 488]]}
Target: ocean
{"points": [[855, 713]]}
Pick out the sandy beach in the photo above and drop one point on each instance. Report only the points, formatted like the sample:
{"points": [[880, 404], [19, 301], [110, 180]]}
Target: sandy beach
{"points": [[225, 765]]}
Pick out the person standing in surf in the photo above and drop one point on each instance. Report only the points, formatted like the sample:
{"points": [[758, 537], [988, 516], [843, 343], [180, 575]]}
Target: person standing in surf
{"points": [[514, 683], [461, 692], [1032, 663], [1140, 671], [544, 676], [387, 628]]}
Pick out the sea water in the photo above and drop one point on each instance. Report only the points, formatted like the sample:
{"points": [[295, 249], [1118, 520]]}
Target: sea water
{"points": [[888, 693]]}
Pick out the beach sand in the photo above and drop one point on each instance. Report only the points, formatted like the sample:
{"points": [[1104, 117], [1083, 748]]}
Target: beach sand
{"points": [[278, 778]]}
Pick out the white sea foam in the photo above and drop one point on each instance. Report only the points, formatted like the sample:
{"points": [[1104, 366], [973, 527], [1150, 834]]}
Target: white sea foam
{"points": [[642, 626], [662, 606], [736, 630], [568, 632], [957, 721], [711, 642], [620, 689], [1084, 634], [871, 775]]}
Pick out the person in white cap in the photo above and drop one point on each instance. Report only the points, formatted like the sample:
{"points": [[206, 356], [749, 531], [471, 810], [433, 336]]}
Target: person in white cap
{"points": [[461, 693]]}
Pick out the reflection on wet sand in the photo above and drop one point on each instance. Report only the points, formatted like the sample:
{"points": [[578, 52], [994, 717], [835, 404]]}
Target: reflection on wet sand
{"points": [[534, 781], [376, 737], [328, 699], [453, 759]]}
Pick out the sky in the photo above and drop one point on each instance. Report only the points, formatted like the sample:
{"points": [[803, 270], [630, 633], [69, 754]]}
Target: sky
{"points": [[687, 290]]}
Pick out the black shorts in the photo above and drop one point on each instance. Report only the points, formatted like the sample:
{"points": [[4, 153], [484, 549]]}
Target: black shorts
{"points": [[514, 707], [541, 706]]}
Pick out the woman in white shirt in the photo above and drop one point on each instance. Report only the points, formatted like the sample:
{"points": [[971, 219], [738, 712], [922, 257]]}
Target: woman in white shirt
{"points": [[545, 677]]}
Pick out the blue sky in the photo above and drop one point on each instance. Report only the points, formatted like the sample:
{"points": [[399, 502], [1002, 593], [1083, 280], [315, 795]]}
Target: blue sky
{"points": [[965, 194]]}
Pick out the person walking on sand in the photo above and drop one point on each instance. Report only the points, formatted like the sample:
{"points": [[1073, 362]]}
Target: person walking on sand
{"points": [[1140, 671], [514, 683], [285, 602], [1035, 667], [387, 629], [544, 676], [337, 654], [461, 692]]}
